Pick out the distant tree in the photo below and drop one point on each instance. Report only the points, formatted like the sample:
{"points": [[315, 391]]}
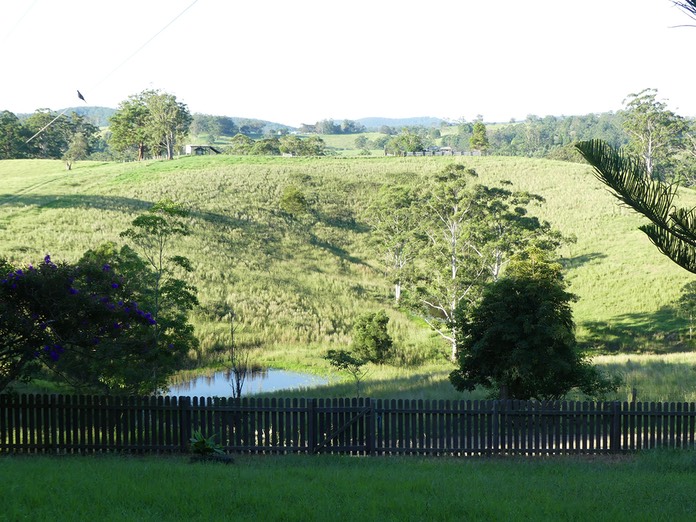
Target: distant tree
{"points": [[656, 132], [226, 126], [351, 127], [361, 142], [467, 233], [129, 126], [167, 121], [393, 217], [12, 137], [251, 127], [406, 141], [386, 129], [78, 150], [371, 339], [686, 305], [241, 145], [479, 138], [266, 147], [327, 127], [292, 144], [306, 128], [519, 339]]}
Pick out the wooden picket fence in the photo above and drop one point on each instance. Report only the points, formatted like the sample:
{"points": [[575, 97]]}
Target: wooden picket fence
{"points": [[91, 424]]}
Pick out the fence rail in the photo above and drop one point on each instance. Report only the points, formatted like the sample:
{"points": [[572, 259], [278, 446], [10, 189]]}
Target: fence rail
{"points": [[91, 424]]}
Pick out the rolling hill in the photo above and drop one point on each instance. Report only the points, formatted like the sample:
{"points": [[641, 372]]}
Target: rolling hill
{"points": [[295, 284]]}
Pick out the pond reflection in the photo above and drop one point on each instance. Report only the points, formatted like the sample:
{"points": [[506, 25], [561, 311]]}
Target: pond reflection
{"points": [[220, 384]]}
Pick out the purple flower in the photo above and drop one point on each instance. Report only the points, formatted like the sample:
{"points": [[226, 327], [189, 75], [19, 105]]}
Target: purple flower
{"points": [[73, 291], [47, 260], [114, 285], [106, 267]]}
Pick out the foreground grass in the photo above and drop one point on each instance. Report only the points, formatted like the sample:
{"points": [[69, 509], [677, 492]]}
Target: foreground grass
{"points": [[651, 486]]}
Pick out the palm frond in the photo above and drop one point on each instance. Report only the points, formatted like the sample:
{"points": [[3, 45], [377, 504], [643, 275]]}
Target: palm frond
{"points": [[672, 230], [689, 6], [628, 180], [679, 251]]}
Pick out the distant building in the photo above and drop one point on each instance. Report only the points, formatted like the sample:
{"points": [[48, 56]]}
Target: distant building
{"points": [[201, 150]]}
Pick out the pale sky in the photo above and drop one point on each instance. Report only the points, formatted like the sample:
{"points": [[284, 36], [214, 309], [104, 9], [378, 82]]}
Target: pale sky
{"points": [[300, 61]]}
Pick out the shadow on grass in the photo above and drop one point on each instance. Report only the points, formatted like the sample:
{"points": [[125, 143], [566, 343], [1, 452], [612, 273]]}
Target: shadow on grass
{"points": [[660, 332], [577, 261]]}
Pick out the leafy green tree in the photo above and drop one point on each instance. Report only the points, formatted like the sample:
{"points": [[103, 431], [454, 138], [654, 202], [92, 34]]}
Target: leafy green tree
{"points": [[78, 150], [686, 305], [167, 121], [327, 127], [266, 147], [393, 217], [468, 232], [296, 146], [80, 321], [351, 127], [345, 361], [479, 138], [656, 132], [371, 339], [519, 339], [128, 126], [151, 121], [12, 137], [169, 297], [241, 144], [406, 141]]}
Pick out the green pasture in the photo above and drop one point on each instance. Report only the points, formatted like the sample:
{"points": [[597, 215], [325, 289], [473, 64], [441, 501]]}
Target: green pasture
{"points": [[296, 288], [649, 486]]}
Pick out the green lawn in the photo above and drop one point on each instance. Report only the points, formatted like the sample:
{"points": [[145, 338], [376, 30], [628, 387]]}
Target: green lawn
{"points": [[649, 487]]}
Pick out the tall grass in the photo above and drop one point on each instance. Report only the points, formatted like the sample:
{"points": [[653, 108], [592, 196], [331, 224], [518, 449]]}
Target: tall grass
{"points": [[295, 283]]}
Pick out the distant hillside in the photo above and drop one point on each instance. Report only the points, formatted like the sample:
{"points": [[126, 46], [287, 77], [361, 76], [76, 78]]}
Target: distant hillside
{"points": [[303, 283], [423, 121]]}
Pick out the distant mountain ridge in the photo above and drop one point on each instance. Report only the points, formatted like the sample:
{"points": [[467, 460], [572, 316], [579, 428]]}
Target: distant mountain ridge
{"points": [[422, 121]]}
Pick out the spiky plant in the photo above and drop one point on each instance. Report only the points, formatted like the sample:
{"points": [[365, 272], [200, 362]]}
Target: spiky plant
{"points": [[671, 229]]}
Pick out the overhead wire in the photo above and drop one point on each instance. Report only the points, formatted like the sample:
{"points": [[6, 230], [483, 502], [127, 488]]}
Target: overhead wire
{"points": [[131, 56]]}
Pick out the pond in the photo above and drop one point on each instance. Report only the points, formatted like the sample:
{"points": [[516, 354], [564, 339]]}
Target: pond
{"points": [[219, 384]]}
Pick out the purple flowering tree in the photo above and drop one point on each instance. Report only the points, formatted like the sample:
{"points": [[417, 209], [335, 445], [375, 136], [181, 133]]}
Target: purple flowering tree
{"points": [[76, 320]]}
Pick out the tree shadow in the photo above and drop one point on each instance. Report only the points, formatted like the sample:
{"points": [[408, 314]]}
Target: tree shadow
{"points": [[578, 261], [660, 332]]}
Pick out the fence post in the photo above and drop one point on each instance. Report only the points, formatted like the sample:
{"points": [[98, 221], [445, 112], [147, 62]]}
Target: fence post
{"points": [[184, 423], [616, 427], [370, 442], [311, 425], [496, 427]]}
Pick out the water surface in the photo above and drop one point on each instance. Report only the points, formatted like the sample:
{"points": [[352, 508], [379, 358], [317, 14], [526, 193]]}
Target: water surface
{"points": [[220, 384]]}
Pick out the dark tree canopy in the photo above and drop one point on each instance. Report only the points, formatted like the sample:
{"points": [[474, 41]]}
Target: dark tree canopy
{"points": [[519, 339], [79, 320]]}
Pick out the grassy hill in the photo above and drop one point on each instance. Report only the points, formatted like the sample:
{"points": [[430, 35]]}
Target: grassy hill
{"points": [[296, 290]]}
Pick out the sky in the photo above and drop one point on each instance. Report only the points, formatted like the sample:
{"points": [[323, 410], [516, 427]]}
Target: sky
{"points": [[301, 61]]}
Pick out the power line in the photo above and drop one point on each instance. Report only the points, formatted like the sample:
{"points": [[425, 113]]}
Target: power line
{"points": [[18, 22], [115, 68], [143, 45]]}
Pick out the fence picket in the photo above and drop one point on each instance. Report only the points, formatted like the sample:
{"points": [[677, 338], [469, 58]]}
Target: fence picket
{"points": [[89, 424]]}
